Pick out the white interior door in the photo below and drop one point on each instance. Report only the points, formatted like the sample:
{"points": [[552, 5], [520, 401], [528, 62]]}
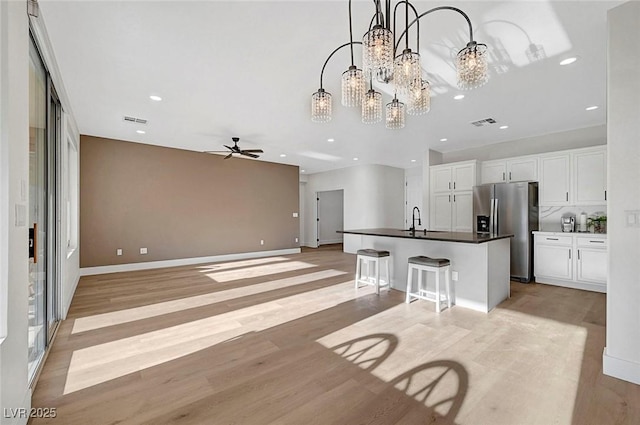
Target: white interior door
{"points": [[330, 216]]}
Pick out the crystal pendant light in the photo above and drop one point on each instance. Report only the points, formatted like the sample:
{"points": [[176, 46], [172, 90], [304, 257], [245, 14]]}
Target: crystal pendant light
{"points": [[395, 114], [377, 53], [472, 66], [321, 106], [353, 87], [407, 72], [372, 107], [419, 99]]}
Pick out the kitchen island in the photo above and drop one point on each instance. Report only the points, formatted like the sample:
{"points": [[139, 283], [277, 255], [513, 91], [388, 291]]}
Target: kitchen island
{"points": [[481, 263]]}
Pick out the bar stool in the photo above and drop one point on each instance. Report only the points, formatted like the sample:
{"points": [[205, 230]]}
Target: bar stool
{"points": [[373, 258], [426, 264]]}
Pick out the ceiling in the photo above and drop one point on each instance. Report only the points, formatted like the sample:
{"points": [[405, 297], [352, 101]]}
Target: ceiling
{"points": [[248, 69]]}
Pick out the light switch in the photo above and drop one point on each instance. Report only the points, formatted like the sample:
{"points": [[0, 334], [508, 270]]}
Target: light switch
{"points": [[143, 250], [295, 215], [119, 251], [632, 218]]}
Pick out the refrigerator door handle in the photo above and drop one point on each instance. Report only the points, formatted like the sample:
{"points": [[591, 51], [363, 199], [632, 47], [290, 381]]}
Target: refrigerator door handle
{"points": [[491, 216], [496, 218]]}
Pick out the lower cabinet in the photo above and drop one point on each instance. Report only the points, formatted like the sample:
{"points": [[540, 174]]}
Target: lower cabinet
{"points": [[571, 260]]}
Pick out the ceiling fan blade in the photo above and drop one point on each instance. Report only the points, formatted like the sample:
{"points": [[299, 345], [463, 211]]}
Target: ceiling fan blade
{"points": [[216, 151], [228, 156], [253, 150], [249, 154], [228, 147]]}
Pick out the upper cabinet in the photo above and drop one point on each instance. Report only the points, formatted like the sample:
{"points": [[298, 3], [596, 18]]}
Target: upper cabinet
{"points": [[577, 177], [555, 183], [509, 170], [590, 177]]}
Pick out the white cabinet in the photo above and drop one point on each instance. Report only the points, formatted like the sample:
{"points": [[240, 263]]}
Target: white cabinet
{"points": [[509, 170], [462, 212], [590, 177], [522, 169], [553, 257], [577, 177], [555, 179], [591, 259], [451, 196], [573, 260]]}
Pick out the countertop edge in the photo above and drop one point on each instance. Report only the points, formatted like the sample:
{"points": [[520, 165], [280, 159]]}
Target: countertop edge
{"points": [[420, 236]]}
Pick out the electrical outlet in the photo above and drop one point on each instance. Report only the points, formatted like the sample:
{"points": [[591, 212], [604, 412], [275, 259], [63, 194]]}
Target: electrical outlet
{"points": [[454, 276], [119, 251], [295, 215], [261, 242], [296, 239], [143, 250]]}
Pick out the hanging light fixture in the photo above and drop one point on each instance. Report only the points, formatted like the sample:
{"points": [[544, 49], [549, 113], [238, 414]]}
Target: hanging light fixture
{"points": [[321, 106], [381, 61], [395, 114], [419, 99], [472, 66], [372, 107]]}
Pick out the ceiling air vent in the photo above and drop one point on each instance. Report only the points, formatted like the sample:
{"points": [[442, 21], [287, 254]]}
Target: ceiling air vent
{"points": [[482, 123], [135, 120]]}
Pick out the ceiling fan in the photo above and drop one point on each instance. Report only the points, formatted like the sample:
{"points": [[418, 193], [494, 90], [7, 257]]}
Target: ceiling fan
{"points": [[236, 150]]}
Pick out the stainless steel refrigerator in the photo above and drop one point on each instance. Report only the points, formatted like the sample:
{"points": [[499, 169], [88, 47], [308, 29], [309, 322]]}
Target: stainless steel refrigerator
{"points": [[509, 208]]}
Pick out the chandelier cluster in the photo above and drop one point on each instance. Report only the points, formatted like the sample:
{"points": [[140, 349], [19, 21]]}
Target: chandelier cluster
{"points": [[381, 61]]}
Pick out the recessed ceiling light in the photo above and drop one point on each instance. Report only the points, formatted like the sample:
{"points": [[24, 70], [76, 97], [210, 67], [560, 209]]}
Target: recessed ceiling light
{"points": [[331, 140], [413, 160], [140, 131], [591, 108], [355, 159], [568, 61], [443, 140], [504, 127], [283, 155], [458, 96], [156, 98]]}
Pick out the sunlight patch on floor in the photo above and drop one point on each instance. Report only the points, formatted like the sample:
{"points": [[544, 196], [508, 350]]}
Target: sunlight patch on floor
{"points": [[237, 264], [100, 363], [259, 271], [144, 312]]}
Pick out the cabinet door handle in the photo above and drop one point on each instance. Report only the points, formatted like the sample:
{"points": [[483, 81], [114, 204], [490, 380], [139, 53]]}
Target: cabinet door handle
{"points": [[449, 198], [578, 254], [454, 185], [552, 239], [567, 196], [596, 241], [454, 198], [503, 176], [449, 185], [605, 195], [509, 175], [569, 253]]}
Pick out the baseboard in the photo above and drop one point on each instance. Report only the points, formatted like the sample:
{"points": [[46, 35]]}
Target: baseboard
{"points": [[89, 271], [595, 287], [331, 241], [619, 368]]}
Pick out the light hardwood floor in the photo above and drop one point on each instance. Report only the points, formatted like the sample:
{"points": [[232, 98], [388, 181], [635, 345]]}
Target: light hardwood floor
{"points": [[287, 340]]}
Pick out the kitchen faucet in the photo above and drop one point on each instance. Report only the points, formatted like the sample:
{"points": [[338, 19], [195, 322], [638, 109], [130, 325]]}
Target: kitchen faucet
{"points": [[413, 219]]}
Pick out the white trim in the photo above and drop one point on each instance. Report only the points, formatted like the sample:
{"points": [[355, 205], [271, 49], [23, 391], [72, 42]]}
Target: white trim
{"points": [[330, 241], [88, 271], [595, 287], [619, 368], [4, 171]]}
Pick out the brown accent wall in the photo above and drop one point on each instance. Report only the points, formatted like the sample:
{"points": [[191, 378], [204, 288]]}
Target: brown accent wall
{"points": [[180, 204]]}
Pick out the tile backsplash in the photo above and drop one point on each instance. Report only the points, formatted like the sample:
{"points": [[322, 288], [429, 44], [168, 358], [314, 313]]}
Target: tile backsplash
{"points": [[549, 217]]}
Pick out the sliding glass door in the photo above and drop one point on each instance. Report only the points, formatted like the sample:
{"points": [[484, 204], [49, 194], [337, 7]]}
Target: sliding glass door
{"points": [[44, 137]]}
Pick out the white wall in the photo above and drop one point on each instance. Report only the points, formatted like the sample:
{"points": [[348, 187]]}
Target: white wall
{"points": [[572, 139], [622, 353], [373, 197], [14, 139]]}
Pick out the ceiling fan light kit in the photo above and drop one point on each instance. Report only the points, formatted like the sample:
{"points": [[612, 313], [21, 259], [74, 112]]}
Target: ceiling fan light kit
{"points": [[381, 62]]}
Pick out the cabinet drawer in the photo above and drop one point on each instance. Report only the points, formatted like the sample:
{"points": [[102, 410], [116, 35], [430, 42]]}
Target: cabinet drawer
{"points": [[554, 240], [591, 242]]}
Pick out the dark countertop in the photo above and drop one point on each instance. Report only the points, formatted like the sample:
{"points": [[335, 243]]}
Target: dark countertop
{"points": [[463, 237]]}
